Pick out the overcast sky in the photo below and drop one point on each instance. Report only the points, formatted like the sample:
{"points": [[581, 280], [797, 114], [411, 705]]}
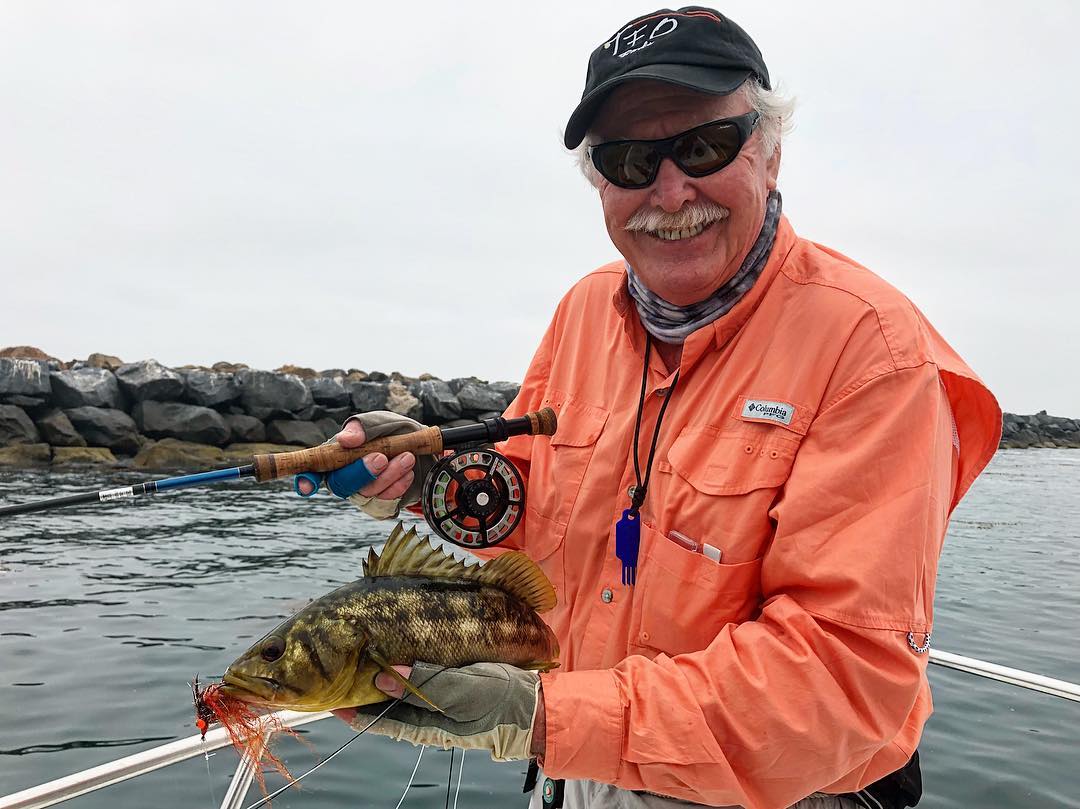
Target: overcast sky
{"points": [[337, 184]]}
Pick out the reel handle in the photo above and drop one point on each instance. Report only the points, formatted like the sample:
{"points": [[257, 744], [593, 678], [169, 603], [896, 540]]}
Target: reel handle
{"points": [[429, 441]]}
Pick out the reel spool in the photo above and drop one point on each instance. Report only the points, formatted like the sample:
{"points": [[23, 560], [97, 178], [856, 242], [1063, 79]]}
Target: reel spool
{"points": [[474, 498]]}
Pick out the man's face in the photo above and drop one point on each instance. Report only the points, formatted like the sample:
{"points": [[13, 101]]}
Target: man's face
{"points": [[687, 270]]}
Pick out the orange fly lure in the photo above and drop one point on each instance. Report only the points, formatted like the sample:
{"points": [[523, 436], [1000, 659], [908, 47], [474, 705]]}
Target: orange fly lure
{"points": [[247, 727]]}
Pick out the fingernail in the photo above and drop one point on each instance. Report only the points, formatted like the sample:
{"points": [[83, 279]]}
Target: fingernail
{"points": [[376, 462], [384, 682], [408, 460]]}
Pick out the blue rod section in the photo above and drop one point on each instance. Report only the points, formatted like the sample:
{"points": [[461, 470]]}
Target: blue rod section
{"points": [[184, 481]]}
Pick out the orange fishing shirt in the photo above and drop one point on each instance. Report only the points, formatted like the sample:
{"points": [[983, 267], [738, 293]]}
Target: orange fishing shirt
{"points": [[785, 667]]}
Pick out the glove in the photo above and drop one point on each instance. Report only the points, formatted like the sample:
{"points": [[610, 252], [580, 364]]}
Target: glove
{"points": [[485, 706], [347, 481]]}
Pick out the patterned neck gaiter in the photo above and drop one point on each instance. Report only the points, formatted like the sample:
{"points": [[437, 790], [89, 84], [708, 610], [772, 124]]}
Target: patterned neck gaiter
{"points": [[672, 324]]}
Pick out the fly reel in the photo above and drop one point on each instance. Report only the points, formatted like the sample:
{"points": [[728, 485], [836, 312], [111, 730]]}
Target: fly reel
{"points": [[474, 498]]}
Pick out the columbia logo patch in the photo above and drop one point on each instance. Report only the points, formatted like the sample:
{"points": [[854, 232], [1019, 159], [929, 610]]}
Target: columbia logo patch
{"points": [[764, 410]]}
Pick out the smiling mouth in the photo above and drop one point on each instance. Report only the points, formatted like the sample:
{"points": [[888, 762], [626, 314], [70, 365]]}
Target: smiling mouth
{"points": [[679, 235]]}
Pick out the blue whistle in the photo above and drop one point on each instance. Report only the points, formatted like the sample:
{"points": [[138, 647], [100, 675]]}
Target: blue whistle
{"points": [[627, 543]]}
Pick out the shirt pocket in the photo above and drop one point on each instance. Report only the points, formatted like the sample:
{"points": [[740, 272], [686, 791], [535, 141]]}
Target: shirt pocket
{"points": [[719, 462], [719, 486], [558, 470], [683, 599]]}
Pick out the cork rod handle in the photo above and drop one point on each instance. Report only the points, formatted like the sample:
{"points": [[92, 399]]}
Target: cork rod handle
{"points": [[328, 457], [429, 441]]}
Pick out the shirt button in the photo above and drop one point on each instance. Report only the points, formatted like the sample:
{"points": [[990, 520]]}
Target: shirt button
{"points": [[631, 491], [644, 635], [606, 596], [661, 392]]}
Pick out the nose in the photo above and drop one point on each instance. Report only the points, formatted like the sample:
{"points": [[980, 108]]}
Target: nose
{"points": [[671, 189]]}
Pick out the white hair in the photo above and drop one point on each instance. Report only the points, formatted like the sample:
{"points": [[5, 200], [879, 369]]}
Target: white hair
{"points": [[775, 108]]}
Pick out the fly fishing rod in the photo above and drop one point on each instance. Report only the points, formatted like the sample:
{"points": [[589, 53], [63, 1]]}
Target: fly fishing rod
{"points": [[331, 456]]}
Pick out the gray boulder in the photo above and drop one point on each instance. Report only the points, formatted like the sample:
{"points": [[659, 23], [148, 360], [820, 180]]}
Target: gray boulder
{"points": [[301, 433], [376, 376], [337, 414], [16, 427], [329, 427], [19, 377], [25, 402], [149, 379], [368, 396], [509, 390], [56, 428], [210, 388], [267, 395], [328, 391], [200, 425], [457, 384], [245, 429], [475, 398], [104, 427], [85, 387], [440, 403]]}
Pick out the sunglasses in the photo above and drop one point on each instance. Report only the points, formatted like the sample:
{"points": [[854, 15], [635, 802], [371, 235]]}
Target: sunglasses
{"points": [[697, 152]]}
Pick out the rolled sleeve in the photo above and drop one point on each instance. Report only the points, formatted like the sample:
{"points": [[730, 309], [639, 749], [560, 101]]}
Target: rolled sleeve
{"points": [[576, 749]]}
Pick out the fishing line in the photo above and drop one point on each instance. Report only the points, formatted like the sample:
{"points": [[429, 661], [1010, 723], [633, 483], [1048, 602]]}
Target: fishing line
{"points": [[449, 778], [210, 779], [460, 770], [297, 780], [408, 786], [383, 713]]}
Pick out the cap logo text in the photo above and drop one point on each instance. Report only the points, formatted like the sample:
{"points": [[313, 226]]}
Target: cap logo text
{"points": [[764, 410], [632, 39]]}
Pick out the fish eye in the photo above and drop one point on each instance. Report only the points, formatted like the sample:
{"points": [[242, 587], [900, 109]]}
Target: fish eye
{"points": [[272, 648]]}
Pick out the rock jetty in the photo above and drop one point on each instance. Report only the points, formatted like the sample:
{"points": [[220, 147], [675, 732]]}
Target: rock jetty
{"points": [[144, 415]]}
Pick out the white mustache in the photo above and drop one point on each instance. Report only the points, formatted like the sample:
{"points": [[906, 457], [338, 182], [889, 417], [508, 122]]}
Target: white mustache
{"points": [[692, 214]]}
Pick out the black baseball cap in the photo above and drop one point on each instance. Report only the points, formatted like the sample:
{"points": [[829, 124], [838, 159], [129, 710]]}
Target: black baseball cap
{"points": [[693, 47]]}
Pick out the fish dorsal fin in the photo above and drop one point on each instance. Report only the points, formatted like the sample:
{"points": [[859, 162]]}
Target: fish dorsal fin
{"points": [[516, 573], [408, 554]]}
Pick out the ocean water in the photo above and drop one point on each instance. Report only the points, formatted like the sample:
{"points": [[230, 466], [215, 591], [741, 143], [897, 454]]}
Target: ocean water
{"points": [[107, 612]]}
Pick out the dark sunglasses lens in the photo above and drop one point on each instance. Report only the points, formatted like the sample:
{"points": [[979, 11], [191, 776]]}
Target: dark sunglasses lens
{"points": [[708, 149], [631, 165]]}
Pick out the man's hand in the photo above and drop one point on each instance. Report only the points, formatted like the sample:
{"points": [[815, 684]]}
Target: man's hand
{"points": [[374, 484], [371, 476], [485, 706]]}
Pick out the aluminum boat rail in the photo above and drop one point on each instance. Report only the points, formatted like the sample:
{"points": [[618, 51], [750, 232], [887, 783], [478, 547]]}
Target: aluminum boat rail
{"points": [[122, 769]]}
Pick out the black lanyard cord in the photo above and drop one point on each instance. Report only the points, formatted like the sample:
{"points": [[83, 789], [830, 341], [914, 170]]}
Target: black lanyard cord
{"points": [[642, 485]]}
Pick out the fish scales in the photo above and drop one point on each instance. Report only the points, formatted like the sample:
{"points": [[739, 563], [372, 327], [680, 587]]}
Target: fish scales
{"points": [[453, 623]]}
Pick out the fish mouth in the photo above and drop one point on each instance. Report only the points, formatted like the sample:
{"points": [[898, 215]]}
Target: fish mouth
{"points": [[270, 693], [250, 688]]}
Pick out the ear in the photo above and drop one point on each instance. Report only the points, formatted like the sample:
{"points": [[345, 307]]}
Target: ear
{"points": [[772, 169]]}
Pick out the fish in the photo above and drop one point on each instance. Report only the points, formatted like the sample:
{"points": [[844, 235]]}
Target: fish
{"points": [[414, 602]]}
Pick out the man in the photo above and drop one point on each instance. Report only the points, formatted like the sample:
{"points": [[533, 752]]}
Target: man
{"points": [[759, 446]]}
